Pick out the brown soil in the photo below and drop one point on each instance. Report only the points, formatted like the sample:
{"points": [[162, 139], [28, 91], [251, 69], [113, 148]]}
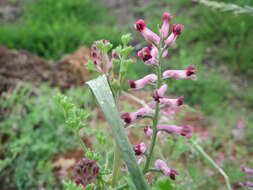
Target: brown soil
{"points": [[23, 67]]}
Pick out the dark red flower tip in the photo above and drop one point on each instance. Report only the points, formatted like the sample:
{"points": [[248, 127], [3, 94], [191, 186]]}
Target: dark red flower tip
{"points": [[126, 117], [137, 150], [167, 16], [173, 174], [180, 100], [191, 70], [140, 25], [132, 83], [177, 29]]}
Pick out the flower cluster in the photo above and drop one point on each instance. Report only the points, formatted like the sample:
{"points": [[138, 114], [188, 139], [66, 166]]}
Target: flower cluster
{"points": [[86, 172], [152, 55], [247, 184]]}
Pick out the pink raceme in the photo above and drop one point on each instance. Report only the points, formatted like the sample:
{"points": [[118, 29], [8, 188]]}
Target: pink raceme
{"points": [[174, 129], [161, 165], [148, 131], [148, 34], [247, 170]]}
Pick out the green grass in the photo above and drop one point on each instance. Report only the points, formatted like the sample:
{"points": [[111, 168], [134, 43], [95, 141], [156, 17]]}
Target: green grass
{"points": [[53, 28]]}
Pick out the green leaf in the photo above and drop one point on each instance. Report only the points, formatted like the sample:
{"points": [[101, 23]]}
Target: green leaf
{"points": [[126, 38], [164, 184], [90, 66], [103, 94]]}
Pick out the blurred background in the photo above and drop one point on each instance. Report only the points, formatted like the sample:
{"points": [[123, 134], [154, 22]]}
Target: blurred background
{"points": [[45, 43]]}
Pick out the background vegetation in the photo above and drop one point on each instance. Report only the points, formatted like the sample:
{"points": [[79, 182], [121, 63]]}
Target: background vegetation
{"points": [[218, 43]]}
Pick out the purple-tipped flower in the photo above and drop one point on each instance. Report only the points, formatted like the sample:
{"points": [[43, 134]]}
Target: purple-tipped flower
{"points": [[161, 165], [140, 149], [189, 73], [86, 172], [138, 84], [149, 55], [176, 31], [174, 129], [172, 103], [160, 92], [148, 131], [166, 24], [148, 34], [248, 184], [247, 170], [133, 116]]}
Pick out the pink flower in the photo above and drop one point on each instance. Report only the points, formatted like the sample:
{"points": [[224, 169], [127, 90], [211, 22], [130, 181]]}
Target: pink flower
{"points": [[188, 73], [247, 170], [133, 116], [148, 34], [161, 165], [160, 92], [148, 131], [166, 23], [137, 84], [174, 129], [176, 31], [172, 103], [247, 184], [149, 55], [140, 149]]}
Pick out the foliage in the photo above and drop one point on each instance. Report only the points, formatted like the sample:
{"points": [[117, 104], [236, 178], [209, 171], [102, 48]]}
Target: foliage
{"points": [[32, 134], [53, 28]]}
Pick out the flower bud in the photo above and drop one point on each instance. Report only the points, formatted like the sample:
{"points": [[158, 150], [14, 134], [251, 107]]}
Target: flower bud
{"points": [[161, 165], [159, 93], [140, 149], [148, 131], [247, 170], [138, 84], [148, 34], [133, 116], [176, 31], [174, 129], [86, 172], [172, 102], [188, 73], [166, 23]]}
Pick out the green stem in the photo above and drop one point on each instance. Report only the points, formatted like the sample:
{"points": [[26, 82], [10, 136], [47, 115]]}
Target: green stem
{"points": [[200, 149], [80, 141], [116, 164], [156, 117]]}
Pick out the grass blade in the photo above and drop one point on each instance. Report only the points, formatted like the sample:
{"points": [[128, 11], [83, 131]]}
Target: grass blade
{"points": [[103, 94]]}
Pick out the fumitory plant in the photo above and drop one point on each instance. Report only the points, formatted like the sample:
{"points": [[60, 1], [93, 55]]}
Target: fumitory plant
{"points": [[139, 159]]}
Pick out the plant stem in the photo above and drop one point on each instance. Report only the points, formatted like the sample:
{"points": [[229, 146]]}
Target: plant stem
{"points": [[121, 187], [200, 149], [80, 141], [156, 117]]}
